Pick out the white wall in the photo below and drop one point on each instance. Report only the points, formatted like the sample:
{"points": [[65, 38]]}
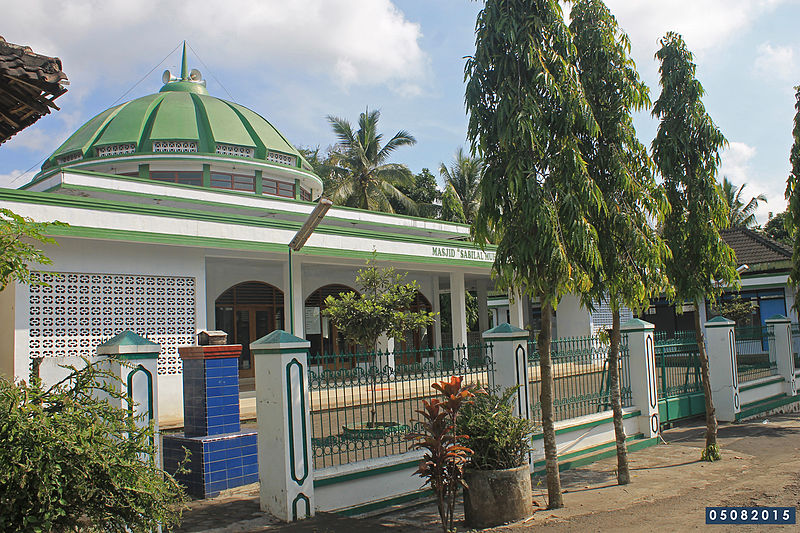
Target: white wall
{"points": [[105, 257]]}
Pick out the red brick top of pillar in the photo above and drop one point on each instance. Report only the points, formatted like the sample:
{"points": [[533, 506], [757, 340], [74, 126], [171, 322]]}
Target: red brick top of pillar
{"points": [[210, 352]]}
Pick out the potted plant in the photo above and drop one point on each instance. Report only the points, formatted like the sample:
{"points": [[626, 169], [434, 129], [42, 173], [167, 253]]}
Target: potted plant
{"points": [[497, 478]]}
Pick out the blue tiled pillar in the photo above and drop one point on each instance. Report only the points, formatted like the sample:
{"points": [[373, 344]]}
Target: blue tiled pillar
{"points": [[210, 389]]}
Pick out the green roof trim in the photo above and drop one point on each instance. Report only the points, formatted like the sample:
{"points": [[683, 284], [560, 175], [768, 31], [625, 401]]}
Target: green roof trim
{"points": [[129, 345]]}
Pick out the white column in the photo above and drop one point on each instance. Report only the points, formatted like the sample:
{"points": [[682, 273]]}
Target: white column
{"points": [[721, 349], [515, 309], [293, 301], [285, 463], [572, 319], [783, 356], [483, 304], [134, 360], [643, 378], [437, 309], [458, 309], [510, 357]]}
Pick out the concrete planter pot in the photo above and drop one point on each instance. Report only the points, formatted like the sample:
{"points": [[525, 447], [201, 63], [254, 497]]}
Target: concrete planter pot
{"points": [[495, 497]]}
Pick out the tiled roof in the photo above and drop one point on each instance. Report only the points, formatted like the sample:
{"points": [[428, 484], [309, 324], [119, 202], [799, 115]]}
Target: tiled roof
{"points": [[29, 83], [752, 248]]}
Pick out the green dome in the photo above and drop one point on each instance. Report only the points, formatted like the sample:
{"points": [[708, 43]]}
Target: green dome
{"points": [[209, 125]]}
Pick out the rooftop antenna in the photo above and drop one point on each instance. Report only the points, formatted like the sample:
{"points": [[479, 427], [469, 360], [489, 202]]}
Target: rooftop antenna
{"points": [[184, 71]]}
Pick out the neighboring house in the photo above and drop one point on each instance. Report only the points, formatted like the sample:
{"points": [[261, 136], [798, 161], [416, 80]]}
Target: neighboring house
{"points": [[29, 83], [764, 266]]}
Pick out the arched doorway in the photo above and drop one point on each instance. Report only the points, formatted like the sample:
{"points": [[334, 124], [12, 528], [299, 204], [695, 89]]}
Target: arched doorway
{"points": [[247, 312], [323, 335]]}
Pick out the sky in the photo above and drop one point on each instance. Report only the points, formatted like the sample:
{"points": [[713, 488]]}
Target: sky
{"points": [[297, 61]]}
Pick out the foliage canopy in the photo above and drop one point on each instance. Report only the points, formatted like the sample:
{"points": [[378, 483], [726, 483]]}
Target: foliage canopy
{"points": [[73, 462], [362, 177], [17, 252], [686, 152], [793, 196], [526, 111], [632, 252]]}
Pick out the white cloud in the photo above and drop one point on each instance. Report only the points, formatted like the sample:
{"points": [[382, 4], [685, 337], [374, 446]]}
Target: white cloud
{"points": [[775, 62], [736, 166], [736, 162], [348, 41], [704, 24], [16, 178]]}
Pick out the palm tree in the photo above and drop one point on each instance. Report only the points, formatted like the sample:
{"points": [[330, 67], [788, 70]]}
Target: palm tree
{"points": [[463, 180], [361, 176], [740, 215]]}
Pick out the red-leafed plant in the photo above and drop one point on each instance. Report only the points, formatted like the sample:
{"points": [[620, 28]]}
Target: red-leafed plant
{"points": [[442, 466]]}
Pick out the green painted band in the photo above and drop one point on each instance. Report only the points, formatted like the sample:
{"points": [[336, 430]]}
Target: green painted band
{"points": [[637, 443], [588, 425], [206, 203], [245, 220], [333, 480], [770, 381], [374, 506], [765, 405], [129, 356]]}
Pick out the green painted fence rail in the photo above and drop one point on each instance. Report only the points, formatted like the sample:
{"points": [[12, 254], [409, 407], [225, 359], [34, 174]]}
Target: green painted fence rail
{"points": [[580, 377], [363, 405], [677, 364], [755, 353]]}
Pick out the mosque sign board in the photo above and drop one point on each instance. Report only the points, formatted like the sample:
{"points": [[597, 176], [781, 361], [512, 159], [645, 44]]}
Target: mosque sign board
{"points": [[448, 252]]}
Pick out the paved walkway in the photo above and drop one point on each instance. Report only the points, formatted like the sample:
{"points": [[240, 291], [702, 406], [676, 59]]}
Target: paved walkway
{"points": [[669, 491]]}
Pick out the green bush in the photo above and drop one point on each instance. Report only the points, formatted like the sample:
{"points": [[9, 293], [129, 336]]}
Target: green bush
{"points": [[498, 439], [73, 462]]}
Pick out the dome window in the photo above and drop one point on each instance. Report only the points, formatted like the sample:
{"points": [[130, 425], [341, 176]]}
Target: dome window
{"points": [[277, 188], [69, 158], [283, 159], [115, 149], [233, 181], [237, 151], [174, 146]]}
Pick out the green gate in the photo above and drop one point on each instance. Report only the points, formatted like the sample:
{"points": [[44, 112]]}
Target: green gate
{"points": [[680, 389]]}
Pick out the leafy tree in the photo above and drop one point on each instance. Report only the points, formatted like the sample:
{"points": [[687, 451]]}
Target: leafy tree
{"points": [[383, 307], [632, 252], [686, 152], [775, 228], [462, 181], [17, 252], [526, 109], [424, 193], [793, 197], [740, 214], [73, 462], [323, 163], [452, 209], [361, 176]]}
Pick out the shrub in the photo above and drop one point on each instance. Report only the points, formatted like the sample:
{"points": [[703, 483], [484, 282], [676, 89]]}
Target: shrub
{"points": [[73, 462], [498, 439]]}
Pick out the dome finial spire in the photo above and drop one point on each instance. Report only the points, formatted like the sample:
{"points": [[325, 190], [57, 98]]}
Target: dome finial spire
{"points": [[184, 67]]}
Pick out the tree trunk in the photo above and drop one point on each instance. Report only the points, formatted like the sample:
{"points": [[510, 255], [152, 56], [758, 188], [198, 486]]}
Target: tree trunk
{"points": [[711, 413], [623, 474], [546, 398]]}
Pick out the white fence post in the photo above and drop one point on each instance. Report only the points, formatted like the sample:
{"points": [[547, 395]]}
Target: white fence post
{"points": [[285, 457], [510, 356], [782, 343], [134, 360], [724, 379], [644, 382]]}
